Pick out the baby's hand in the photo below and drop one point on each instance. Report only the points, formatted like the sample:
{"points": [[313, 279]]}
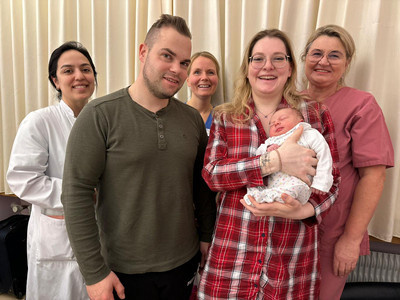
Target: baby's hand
{"points": [[272, 147], [318, 192]]}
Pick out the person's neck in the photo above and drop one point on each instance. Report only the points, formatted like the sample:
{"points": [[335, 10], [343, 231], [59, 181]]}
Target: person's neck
{"points": [[142, 96], [320, 94], [203, 105], [76, 106], [267, 105]]}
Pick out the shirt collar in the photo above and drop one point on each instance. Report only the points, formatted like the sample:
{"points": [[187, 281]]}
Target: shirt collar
{"points": [[68, 110]]}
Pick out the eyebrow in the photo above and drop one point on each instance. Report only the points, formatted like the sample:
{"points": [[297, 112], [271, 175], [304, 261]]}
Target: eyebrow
{"points": [[335, 51], [71, 66], [199, 69], [169, 51], [174, 54], [261, 53]]}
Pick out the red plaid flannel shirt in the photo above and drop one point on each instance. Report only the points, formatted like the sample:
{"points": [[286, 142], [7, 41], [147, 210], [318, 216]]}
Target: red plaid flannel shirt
{"points": [[268, 257]]}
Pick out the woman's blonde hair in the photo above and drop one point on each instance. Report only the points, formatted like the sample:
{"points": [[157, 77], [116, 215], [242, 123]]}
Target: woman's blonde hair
{"points": [[203, 54], [333, 31], [239, 110]]}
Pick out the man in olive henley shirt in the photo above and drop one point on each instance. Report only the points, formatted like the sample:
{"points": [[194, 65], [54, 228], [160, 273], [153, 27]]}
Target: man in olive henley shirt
{"points": [[143, 152]]}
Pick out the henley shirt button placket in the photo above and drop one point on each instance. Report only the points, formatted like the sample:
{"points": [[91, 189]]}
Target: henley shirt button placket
{"points": [[162, 143]]}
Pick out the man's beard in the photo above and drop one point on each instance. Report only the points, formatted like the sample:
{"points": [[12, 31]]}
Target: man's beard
{"points": [[155, 87]]}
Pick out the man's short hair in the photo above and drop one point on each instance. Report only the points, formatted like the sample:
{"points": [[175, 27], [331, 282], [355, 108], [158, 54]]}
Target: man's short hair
{"points": [[165, 20]]}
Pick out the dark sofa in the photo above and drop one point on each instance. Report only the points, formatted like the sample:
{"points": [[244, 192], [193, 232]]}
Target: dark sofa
{"points": [[362, 289]]}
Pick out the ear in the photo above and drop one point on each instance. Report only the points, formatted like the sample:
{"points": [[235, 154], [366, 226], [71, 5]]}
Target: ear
{"points": [[187, 82], [347, 63], [143, 50], [55, 81]]}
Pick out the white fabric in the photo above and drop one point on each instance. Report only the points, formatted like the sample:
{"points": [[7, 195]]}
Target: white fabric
{"points": [[34, 175], [112, 31], [281, 182]]}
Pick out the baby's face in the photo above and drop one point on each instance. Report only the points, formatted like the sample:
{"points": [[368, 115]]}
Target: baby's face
{"points": [[282, 121]]}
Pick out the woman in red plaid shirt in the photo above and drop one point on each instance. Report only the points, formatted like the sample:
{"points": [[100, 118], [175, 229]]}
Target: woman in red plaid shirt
{"points": [[266, 250]]}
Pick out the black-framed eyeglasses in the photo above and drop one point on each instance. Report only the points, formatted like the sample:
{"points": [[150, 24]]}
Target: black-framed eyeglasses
{"points": [[333, 57], [279, 61]]}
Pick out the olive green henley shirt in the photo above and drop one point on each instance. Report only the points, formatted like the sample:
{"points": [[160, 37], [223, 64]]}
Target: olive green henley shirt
{"points": [[146, 168]]}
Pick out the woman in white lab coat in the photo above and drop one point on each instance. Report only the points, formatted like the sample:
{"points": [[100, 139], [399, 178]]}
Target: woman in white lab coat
{"points": [[35, 174]]}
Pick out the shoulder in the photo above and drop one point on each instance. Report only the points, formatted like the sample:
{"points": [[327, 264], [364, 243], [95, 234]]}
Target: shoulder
{"points": [[111, 98], [314, 112], [186, 110], [351, 97], [183, 106], [318, 116], [349, 91], [45, 114], [111, 104], [353, 104], [314, 107]]}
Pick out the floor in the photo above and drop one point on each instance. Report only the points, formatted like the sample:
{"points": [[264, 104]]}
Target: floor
{"points": [[7, 297]]}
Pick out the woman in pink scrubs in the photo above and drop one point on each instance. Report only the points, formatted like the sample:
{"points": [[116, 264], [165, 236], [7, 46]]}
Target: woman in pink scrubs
{"points": [[365, 151]]}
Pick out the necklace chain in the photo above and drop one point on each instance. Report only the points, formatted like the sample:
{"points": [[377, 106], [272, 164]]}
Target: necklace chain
{"points": [[265, 116]]}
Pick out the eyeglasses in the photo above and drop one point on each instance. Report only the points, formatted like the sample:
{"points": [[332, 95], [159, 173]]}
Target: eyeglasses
{"points": [[278, 61], [333, 57]]}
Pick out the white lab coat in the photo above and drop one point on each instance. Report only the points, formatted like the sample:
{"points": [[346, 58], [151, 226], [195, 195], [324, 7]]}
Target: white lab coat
{"points": [[34, 175]]}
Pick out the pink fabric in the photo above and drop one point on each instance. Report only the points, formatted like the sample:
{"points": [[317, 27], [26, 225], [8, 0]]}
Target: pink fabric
{"points": [[363, 140], [332, 285]]}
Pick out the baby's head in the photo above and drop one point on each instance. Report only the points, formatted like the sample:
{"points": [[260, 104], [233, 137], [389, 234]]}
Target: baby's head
{"points": [[283, 120]]}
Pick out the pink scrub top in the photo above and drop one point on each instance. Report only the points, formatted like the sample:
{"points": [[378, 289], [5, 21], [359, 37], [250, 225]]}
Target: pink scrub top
{"points": [[363, 140]]}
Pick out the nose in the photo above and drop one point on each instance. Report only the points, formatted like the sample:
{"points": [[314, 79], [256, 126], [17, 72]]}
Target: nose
{"points": [[79, 74], [324, 60], [268, 64], [175, 66], [204, 76]]}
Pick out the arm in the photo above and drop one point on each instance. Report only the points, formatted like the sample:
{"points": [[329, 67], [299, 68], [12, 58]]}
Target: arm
{"points": [[84, 163], [371, 153], [295, 159], [203, 197], [228, 167], [323, 178], [292, 163], [366, 197], [318, 205], [103, 290], [318, 117], [290, 209], [27, 173]]}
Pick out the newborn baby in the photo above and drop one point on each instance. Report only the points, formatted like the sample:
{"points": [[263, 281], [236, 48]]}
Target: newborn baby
{"points": [[282, 124]]}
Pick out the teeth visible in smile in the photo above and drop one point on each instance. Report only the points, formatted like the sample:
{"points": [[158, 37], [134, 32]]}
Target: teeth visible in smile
{"points": [[171, 80], [204, 86], [267, 77], [324, 71], [80, 86]]}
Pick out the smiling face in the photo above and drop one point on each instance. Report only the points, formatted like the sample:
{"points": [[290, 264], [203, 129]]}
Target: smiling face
{"points": [[283, 120], [165, 63], [325, 73], [268, 81], [75, 77], [203, 77]]}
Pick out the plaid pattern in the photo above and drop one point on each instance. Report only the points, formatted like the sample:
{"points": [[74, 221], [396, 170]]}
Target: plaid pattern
{"points": [[268, 257]]}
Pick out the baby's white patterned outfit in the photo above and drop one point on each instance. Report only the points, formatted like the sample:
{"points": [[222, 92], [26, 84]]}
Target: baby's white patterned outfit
{"points": [[281, 182]]}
